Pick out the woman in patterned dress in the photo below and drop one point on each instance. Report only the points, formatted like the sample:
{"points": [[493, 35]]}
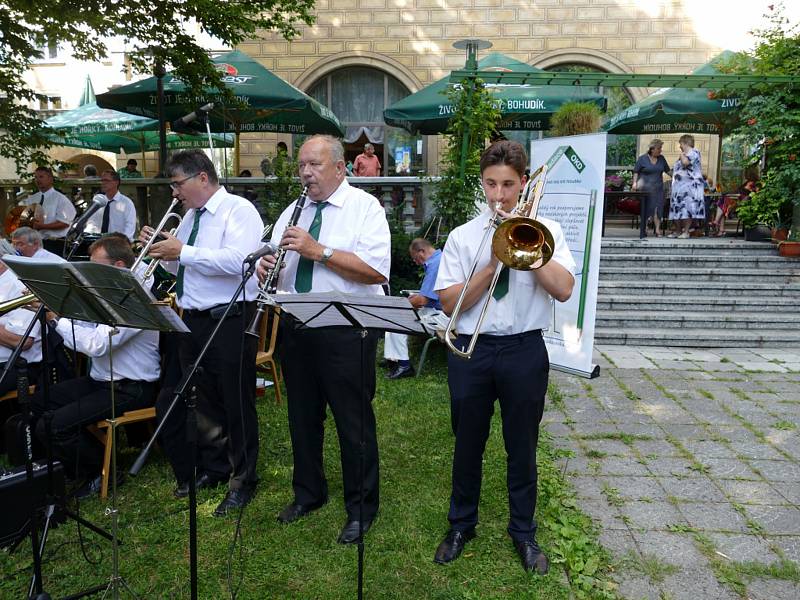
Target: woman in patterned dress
{"points": [[686, 201]]}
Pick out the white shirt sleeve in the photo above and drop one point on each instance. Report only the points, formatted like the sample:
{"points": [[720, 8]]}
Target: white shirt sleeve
{"points": [[451, 272], [374, 240], [92, 340], [129, 228], [242, 235], [66, 210]]}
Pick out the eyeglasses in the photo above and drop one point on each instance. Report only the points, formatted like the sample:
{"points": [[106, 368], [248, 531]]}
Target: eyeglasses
{"points": [[176, 185]]}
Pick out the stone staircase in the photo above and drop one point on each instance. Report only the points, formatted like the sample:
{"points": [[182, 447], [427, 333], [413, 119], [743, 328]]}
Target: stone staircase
{"points": [[711, 293]]}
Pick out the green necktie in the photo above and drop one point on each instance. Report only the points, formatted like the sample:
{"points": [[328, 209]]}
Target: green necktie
{"points": [[192, 238], [501, 289], [305, 268]]}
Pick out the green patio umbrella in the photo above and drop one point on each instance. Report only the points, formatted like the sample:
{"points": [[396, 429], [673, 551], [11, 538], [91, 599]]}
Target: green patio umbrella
{"points": [[269, 104], [679, 110], [523, 107], [88, 92], [95, 128]]}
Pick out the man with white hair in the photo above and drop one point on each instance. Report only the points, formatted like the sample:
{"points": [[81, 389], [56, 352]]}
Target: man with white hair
{"points": [[28, 242]]}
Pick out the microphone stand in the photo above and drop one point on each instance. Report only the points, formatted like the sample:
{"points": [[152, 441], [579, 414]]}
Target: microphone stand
{"points": [[191, 430]]}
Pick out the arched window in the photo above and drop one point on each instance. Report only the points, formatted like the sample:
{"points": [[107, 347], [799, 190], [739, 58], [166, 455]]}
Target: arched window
{"points": [[358, 96]]}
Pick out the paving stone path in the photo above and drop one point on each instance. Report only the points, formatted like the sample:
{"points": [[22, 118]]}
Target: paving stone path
{"points": [[689, 463]]}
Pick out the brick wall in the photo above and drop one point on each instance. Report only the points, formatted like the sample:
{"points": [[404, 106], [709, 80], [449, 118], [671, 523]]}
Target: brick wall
{"points": [[412, 40]]}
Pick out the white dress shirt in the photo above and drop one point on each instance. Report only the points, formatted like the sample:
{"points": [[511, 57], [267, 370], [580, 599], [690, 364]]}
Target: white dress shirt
{"points": [[122, 217], [354, 221], [526, 306], [135, 351], [56, 207], [17, 321], [230, 229], [42, 254]]}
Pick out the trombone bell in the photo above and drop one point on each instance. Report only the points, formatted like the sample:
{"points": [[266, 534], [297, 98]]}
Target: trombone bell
{"points": [[522, 243]]}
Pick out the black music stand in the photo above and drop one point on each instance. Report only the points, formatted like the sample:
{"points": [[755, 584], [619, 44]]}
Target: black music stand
{"points": [[103, 294], [378, 313]]}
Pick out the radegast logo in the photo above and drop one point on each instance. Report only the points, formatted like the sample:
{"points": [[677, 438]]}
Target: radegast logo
{"points": [[230, 74]]}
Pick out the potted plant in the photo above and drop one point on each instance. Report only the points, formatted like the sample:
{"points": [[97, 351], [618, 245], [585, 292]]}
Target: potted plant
{"points": [[767, 210], [769, 117]]}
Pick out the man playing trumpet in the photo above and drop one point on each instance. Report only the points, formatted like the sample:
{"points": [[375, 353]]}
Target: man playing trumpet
{"points": [[509, 363], [218, 231]]}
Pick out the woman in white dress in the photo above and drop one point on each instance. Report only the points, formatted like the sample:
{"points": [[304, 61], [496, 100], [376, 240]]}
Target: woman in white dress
{"points": [[686, 201]]}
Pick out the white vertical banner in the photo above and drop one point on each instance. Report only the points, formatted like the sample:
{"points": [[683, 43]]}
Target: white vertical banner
{"points": [[573, 196]]}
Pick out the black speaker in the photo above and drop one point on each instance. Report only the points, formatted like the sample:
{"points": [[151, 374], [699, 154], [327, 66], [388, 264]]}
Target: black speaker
{"points": [[17, 496]]}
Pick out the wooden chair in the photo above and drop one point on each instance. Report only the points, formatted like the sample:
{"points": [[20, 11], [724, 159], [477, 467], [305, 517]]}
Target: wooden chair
{"points": [[265, 359], [12, 395], [102, 431]]}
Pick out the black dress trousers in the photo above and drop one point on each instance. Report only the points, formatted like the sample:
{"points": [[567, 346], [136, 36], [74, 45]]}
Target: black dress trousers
{"points": [[324, 367], [513, 369], [226, 407]]}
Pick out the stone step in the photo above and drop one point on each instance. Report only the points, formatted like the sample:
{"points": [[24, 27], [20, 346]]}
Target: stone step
{"points": [[636, 273], [699, 338], [708, 261], [715, 246], [694, 288], [691, 321], [724, 303]]}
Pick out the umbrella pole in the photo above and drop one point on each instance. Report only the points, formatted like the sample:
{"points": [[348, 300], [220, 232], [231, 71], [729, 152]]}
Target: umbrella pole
{"points": [[236, 153], [719, 158]]}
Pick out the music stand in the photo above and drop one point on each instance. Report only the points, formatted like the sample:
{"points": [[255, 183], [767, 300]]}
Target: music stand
{"points": [[103, 294], [336, 309]]}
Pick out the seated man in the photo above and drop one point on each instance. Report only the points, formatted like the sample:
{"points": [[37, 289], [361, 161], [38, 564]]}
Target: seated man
{"points": [[57, 210], [119, 215], [426, 302], [12, 325], [28, 242], [79, 402]]}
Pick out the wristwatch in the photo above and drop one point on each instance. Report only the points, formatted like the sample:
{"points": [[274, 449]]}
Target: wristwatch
{"points": [[326, 254]]}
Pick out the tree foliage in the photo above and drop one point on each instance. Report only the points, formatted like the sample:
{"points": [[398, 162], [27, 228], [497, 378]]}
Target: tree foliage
{"points": [[770, 116], [575, 118], [475, 119], [153, 31]]}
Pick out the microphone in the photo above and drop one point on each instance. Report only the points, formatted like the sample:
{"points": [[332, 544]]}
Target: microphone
{"points": [[181, 125], [268, 248], [78, 225]]}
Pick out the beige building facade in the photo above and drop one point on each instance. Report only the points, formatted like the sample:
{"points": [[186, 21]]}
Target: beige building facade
{"points": [[411, 41]]}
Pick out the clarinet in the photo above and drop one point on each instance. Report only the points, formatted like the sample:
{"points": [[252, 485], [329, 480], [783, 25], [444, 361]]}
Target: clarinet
{"points": [[270, 284]]}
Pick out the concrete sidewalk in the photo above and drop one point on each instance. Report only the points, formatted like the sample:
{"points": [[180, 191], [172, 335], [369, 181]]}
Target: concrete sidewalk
{"points": [[689, 463]]}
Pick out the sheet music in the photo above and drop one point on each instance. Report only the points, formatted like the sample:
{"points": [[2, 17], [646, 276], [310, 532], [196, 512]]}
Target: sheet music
{"points": [[331, 309], [94, 292]]}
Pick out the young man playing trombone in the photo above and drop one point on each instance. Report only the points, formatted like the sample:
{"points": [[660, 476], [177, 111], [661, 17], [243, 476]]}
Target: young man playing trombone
{"points": [[509, 362]]}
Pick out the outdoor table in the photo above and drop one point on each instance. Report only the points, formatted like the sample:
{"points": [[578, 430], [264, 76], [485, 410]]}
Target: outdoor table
{"points": [[641, 195]]}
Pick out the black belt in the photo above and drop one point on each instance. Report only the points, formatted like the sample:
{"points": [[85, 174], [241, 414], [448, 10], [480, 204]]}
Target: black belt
{"points": [[216, 312]]}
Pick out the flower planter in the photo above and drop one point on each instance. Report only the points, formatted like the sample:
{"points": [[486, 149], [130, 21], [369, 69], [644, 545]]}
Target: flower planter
{"points": [[789, 249], [779, 235]]}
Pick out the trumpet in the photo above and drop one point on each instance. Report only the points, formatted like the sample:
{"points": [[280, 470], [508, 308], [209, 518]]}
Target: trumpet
{"points": [[519, 242], [154, 238], [15, 303], [270, 285]]}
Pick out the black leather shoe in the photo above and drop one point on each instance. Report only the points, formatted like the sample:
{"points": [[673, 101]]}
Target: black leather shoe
{"points": [[401, 372], [533, 559], [204, 481], [238, 498], [294, 511], [452, 545], [349, 532]]}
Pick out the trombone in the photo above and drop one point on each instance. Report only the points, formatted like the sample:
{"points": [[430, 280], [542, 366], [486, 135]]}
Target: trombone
{"points": [[155, 238], [519, 242]]}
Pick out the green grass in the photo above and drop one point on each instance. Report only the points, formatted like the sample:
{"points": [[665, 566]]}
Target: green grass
{"points": [[303, 560]]}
